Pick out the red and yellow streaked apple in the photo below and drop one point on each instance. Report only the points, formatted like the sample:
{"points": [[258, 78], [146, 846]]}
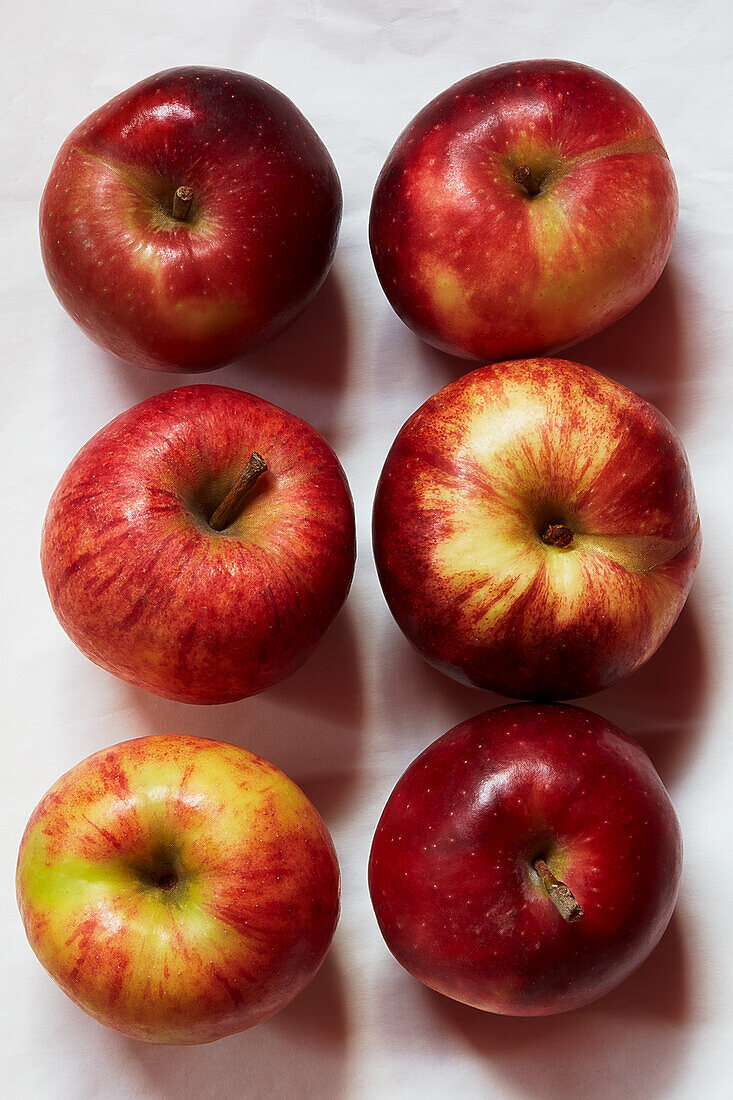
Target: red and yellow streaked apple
{"points": [[527, 862], [154, 583], [525, 208], [535, 529], [190, 219], [178, 889]]}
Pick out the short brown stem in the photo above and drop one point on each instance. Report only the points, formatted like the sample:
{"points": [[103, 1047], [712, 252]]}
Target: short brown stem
{"points": [[232, 503], [182, 199], [525, 177], [557, 534], [559, 894]]}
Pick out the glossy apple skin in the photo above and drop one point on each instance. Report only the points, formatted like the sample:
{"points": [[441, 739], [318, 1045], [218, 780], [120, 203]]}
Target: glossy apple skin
{"points": [[148, 590], [471, 481], [479, 268], [450, 873], [257, 243], [247, 916]]}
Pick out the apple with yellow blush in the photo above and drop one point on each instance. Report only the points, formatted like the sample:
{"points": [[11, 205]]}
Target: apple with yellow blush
{"points": [[535, 529], [178, 889], [525, 208]]}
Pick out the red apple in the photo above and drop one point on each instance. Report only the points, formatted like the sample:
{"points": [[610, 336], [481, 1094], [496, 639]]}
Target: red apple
{"points": [[535, 529], [178, 889], [190, 219], [527, 207], [156, 584], [527, 861]]}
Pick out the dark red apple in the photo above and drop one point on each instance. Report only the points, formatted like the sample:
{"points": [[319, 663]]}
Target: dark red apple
{"points": [[200, 544], [535, 529], [525, 208], [527, 862], [190, 219]]}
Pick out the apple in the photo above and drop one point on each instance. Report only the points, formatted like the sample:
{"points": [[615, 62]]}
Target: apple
{"points": [[535, 529], [190, 219], [525, 208], [527, 862], [200, 544], [178, 889]]}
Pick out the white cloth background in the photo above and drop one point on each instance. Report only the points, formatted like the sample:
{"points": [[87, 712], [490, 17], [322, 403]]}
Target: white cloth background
{"points": [[349, 722]]}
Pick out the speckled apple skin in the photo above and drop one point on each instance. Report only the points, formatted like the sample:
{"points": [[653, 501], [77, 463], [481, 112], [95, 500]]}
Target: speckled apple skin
{"points": [[470, 482], [242, 932], [259, 239], [476, 266], [148, 590], [451, 878]]}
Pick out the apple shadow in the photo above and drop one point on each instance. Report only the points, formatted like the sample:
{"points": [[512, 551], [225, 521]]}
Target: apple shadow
{"points": [[645, 350], [309, 725], [300, 1051], [411, 687], [628, 1043], [312, 353], [439, 366], [662, 703], [303, 369]]}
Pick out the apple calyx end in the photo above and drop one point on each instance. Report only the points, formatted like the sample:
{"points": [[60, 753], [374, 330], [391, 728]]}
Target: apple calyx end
{"points": [[558, 535], [160, 871], [559, 894], [231, 506], [167, 880], [182, 199], [525, 177]]}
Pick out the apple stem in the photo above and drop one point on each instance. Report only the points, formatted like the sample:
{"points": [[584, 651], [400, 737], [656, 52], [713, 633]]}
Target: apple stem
{"points": [[524, 176], [559, 894], [557, 534], [232, 503], [182, 199]]}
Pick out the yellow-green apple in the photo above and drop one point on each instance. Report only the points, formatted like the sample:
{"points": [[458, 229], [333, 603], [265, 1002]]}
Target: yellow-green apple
{"points": [[527, 207], [527, 862], [535, 529], [200, 544], [178, 889], [190, 219]]}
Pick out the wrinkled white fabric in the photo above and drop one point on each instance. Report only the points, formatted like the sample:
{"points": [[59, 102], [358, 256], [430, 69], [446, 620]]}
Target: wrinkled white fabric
{"points": [[350, 721]]}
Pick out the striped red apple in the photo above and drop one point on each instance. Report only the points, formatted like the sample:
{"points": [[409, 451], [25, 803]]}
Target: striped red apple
{"points": [[200, 544], [178, 889], [535, 529]]}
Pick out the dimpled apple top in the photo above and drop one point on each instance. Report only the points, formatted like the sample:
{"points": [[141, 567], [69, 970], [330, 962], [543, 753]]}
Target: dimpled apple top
{"points": [[527, 207], [178, 889], [535, 529], [189, 286], [148, 590], [453, 872]]}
